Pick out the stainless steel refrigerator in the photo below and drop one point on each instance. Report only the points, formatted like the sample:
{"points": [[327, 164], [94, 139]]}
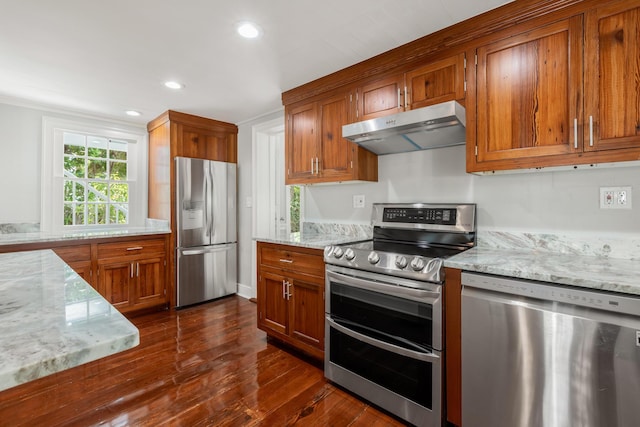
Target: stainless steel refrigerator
{"points": [[206, 252]]}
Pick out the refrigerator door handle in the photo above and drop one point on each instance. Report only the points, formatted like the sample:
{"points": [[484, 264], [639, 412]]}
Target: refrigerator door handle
{"points": [[208, 249], [208, 197], [210, 205]]}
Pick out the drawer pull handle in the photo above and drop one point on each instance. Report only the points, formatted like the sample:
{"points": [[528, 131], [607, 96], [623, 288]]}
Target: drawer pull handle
{"points": [[134, 248], [289, 261]]}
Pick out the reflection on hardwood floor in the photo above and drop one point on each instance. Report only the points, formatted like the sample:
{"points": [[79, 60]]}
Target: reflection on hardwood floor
{"points": [[203, 366]]}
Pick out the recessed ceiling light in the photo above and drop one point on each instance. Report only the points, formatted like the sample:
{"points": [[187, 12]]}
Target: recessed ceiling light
{"points": [[133, 113], [173, 85], [248, 30]]}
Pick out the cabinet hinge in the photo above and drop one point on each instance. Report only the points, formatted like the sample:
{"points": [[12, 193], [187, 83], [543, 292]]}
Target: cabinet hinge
{"points": [[165, 262], [260, 315], [465, 86], [351, 164], [476, 59], [476, 151], [350, 97]]}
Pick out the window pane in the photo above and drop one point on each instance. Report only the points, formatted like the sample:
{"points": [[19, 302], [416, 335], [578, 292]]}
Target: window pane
{"points": [[74, 144], [73, 191], [97, 191], [118, 150], [96, 169], [79, 213], [68, 214], [97, 213], [119, 192], [97, 147], [118, 213], [118, 171], [74, 166]]}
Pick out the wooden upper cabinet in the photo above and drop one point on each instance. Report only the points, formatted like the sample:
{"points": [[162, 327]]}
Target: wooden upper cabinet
{"points": [[380, 98], [204, 143], [301, 142], [315, 150], [612, 77], [528, 93], [435, 82]]}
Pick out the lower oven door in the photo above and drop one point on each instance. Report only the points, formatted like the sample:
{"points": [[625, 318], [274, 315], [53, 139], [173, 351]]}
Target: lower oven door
{"points": [[377, 344]]}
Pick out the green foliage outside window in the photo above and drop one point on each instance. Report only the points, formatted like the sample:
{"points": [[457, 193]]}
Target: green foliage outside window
{"points": [[295, 208], [96, 191]]}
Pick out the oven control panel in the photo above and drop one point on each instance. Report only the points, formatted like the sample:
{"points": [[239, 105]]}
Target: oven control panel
{"points": [[439, 216]]}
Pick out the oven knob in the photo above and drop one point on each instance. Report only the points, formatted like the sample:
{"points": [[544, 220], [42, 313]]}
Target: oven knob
{"points": [[401, 262], [337, 252], [373, 258], [418, 263], [349, 254], [328, 250]]}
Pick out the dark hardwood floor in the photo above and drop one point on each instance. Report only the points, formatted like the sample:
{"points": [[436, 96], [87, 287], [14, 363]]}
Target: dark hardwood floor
{"points": [[203, 366]]}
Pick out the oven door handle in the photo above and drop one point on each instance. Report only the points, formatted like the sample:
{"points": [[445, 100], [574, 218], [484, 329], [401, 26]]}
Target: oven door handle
{"points": [[413, 294], [426, 357]]}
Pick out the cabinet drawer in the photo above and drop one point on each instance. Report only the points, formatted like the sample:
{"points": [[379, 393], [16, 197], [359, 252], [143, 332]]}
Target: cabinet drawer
{"points": [[131, 248], [74, 253], [301, 262]]}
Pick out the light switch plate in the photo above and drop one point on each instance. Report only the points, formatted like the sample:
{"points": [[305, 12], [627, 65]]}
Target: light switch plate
{"points": [[358, 201]]}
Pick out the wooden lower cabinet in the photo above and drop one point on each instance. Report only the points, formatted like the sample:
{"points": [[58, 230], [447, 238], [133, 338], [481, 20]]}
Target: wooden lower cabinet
{"points": [[129, 272], [453, 345], [131, 275], [291, 296]]}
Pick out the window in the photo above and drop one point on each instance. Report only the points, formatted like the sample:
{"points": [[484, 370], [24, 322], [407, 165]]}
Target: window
{"points": [[96, 191], [90, 176]]}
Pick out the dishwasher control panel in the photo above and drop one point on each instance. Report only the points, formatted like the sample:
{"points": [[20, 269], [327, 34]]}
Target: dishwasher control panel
{"points": [[597, 299]]}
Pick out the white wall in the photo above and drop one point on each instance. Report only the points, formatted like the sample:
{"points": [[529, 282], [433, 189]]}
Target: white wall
{"points": [[20, 160], [20, 147], [564, 201], [246, 245]]}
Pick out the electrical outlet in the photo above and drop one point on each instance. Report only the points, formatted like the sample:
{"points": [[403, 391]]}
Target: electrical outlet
{"points": [[358, 201], [615, 197]]}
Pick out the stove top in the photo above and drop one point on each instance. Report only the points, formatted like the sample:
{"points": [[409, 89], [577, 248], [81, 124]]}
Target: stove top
{"points": [[410, 240]]}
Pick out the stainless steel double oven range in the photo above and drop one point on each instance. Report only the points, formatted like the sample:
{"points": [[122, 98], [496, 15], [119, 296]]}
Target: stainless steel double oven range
{"points": [[384, 334]]}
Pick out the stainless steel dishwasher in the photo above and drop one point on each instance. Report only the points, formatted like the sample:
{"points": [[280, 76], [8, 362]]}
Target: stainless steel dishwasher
{"points": [[538, 354]]}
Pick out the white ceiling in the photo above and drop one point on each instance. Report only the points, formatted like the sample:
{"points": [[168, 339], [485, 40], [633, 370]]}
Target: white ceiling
{"points": [[105, 57]]}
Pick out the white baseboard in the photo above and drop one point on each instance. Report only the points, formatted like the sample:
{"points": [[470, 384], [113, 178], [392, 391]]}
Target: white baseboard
{"points": [[245, 291]]}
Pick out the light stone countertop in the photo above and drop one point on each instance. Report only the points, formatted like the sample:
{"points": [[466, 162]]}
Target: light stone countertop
{"points": [[52, 320], [586, 271], [310, 240], [40, 236]]}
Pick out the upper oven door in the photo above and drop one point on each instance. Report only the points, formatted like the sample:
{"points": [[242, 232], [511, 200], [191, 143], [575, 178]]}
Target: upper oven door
{"points": [[385, 308]]}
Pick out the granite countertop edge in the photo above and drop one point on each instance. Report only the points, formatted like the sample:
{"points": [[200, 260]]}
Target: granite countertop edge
{"points": [[593, 272], [43, 237], [313, 241]]}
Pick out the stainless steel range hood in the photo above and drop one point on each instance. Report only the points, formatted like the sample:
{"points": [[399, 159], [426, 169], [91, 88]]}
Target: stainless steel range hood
{"points": [[436, 126]]}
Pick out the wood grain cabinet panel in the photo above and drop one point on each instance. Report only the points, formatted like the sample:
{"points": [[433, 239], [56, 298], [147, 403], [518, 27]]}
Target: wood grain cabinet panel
{"points": [[291, 296], [132, 274], [528, 93], [612, 76], [435, 82], [78, 257], [380, 97], [315, 150]]}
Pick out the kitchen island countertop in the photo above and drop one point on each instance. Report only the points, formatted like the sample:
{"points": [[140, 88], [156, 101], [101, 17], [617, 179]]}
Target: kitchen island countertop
{"points": [[51, 319], [585, 271]]}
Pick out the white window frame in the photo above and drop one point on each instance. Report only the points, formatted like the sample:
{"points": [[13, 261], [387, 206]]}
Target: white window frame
{"points": [[52, 190]]}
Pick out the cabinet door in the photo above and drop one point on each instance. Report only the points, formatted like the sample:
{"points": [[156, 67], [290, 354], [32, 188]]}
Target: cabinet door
{"points": [[83, 268], [436, 82], [301, 144], [612, 49], [114, 280], [336, 153], [272, 302], [380, 98], [306, 312], [150, 282], [202, 143], [528, 90]]}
